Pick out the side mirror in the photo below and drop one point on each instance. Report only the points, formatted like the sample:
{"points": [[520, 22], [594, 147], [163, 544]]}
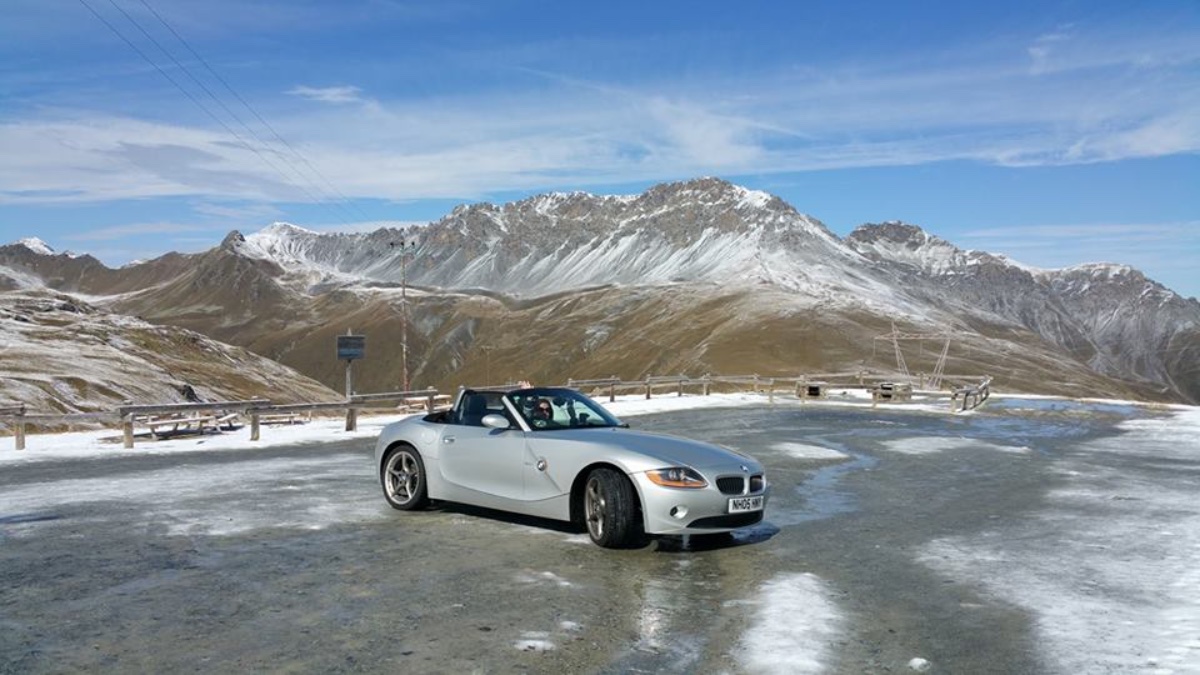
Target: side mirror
{"points": [[494, 421]]}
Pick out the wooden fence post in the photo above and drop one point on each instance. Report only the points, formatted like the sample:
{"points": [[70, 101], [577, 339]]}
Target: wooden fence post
{"points": [[612, 389], [647, 387], [127, 430], [254, 428], [681, 385], [19, 430], [707, 384], [351, 419], [429, 405]]}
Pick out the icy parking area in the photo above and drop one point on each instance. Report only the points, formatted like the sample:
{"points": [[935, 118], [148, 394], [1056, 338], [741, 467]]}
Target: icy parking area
{"points": [[1038, 535], [1111, 568]]}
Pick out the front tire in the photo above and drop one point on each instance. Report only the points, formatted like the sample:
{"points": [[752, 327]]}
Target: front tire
{"points": [[610, 509], [403, 479]]}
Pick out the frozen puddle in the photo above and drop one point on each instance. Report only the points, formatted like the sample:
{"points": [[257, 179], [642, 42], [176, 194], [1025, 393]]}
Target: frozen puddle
{"points": [[1111, 569]]}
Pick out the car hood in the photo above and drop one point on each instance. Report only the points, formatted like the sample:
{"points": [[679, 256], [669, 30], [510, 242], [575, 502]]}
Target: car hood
{"points": [[641, 450]]}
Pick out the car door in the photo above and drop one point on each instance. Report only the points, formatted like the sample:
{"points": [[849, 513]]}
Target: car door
{"points": [[482, 459], [551, 460]]}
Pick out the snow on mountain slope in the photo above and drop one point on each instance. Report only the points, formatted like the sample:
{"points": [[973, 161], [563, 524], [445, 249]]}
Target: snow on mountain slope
{"points": [[58, 354], [1110, 316], [705, 230], [36, 245]]}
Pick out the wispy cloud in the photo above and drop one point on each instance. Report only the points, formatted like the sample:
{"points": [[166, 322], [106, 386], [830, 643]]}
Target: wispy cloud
{"points": [[1167, 250], [1088, 98], [1042, 48], [134, 230], [344, 94], [1137, 231], [239, 213]]}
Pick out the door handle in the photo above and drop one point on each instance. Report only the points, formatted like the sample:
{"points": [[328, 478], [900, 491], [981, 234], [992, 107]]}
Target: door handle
{"points": [[448, 439]]}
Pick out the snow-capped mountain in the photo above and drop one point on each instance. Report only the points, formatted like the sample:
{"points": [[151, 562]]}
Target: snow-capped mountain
{"points": [[695, 276], [705, 230], [1110, 316]]}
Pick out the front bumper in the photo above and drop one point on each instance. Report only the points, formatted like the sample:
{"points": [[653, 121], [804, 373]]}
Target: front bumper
{"points": [[693, 511]]}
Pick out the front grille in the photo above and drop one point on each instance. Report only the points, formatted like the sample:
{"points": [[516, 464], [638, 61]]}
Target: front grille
{"points": [[731, 485], [736, 485], [732, 521]]}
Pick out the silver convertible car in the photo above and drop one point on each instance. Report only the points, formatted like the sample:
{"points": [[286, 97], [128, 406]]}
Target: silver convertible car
{"points": [[555, 453]]}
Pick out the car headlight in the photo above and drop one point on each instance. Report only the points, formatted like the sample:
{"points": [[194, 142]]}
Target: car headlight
{"points": [[677, 477]]}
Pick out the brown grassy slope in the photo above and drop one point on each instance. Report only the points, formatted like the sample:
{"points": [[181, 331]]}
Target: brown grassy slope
{"points": [[463, 339]]}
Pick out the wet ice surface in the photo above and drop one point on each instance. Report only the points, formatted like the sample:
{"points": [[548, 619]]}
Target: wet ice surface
{"points": [[1110, 569], [1031, 536]]}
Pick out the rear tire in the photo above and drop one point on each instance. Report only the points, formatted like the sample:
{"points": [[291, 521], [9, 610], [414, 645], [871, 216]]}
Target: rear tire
{"points": [[403, 479], [610, 509]]}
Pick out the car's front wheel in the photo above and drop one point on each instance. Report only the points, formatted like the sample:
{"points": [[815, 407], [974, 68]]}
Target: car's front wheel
{"points": [[610, 509], [403, 479]]}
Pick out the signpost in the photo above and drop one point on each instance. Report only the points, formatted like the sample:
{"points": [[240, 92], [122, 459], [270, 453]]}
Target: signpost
{"points": [[351, 347]]}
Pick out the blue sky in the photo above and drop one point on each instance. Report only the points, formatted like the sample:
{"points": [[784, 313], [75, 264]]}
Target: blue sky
{"points": [[1055, 132]]}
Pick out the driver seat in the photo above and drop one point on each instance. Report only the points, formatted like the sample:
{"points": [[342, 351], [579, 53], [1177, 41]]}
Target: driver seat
{"points": [[474, 410]]}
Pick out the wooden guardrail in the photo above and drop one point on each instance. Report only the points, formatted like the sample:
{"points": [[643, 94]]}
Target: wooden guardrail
{"points": [[129, 413], [16, 413], [210, 413], [806, 386], [972, 396]]}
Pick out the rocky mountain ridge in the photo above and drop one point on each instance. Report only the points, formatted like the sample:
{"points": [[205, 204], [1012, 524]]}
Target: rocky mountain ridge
{"points": [[690, 251]]}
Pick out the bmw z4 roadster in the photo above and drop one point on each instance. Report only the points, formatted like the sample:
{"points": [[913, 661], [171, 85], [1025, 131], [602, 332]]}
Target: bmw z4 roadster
{"points": [[555, 453]]}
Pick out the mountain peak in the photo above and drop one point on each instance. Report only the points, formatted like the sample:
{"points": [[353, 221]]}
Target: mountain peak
{"points": [[894, 231], [709, 189], [36, 245], [284, 228], [233, 240]]}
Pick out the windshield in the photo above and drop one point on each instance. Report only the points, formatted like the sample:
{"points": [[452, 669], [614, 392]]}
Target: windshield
{"points": [[560, 408]]}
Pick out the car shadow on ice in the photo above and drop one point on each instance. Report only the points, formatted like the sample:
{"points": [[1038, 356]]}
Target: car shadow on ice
{"points": [[659, 543], [505, 517], [28, 518], [690, 543]]}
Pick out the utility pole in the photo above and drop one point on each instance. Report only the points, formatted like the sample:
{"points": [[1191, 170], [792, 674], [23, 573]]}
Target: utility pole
{"points": [[487, 363], [405, 247]]}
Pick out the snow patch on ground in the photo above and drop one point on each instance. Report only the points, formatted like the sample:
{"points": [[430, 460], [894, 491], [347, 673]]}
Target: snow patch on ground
{"points": [[928, 445], [796, 624], [107, 443], [803, 451], [528, 577], [535, 641], [286, 495], [1111, 570]]}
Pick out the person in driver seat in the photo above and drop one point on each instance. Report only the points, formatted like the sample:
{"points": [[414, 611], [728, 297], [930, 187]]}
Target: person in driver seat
{"points": [[543, 411]]}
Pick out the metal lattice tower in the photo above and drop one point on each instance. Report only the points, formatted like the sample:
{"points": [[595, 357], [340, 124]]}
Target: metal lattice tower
{"points": [[895, 337]]}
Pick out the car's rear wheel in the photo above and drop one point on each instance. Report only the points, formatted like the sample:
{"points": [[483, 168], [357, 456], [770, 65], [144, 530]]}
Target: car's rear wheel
{"points": [[403, 479], [610, 509]]}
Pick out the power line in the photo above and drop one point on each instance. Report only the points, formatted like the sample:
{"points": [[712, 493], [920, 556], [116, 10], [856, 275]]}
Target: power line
{"points": [[224, 107], [191, 97], [254, 112]]}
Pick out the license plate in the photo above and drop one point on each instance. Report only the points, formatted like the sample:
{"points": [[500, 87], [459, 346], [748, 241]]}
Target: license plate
{"points": [[745, 504]]}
